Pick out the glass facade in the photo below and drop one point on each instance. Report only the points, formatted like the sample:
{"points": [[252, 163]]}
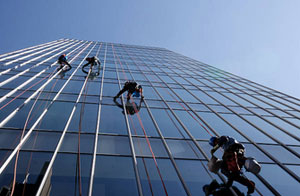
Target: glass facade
{"points": [[71, 138]]}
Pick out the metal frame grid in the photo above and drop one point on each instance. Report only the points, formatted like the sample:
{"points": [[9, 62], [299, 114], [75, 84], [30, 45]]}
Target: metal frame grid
{"points": [[186, 101]]}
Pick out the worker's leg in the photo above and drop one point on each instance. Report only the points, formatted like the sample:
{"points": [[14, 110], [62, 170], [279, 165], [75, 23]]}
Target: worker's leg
{"points": [[244, 181], [125, 88], [84, 67]]}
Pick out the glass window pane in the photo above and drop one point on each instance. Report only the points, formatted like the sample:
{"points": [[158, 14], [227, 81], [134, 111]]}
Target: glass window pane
{"points": [[285, 184], [247, 129], [139, 120], [42, 141], [142, 147], [89, 117], [109, 116], [276, 133], [57, 116], [194, 175], [113, 145], [64, 179], [183, 149], [281, 154], [192, 125], [70, 143], [114, 175], [167, 123], [220, 126]]}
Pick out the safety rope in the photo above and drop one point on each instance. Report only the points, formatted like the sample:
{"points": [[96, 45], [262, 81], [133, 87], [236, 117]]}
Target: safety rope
{"points": [[37, 133], [143, 159], [18, 151], [49, 75], [78, 165], [144, 131], [33, 85], [194, 119]]}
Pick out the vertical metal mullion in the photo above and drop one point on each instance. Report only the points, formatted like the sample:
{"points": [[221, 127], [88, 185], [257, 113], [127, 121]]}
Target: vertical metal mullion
{"points": [[32, 54], [283, 130], [97, 128], [258, 176], [3, 122], [262, 87], [263, 96], [261, 117], [139, 185], [27, 50], [266, 102], [19, 146], [164, 141], [240, 132], [49, 168], [29, 80], [184, 127]]}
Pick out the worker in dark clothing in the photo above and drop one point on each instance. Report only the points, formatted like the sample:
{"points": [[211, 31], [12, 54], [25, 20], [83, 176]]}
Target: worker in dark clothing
{"points": [[131, 108], [133, 89], [63, 60], [233, 160], [92, 61]]}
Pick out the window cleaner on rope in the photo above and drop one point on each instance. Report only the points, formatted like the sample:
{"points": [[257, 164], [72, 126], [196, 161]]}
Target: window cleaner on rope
{"points": [[233, 160]]}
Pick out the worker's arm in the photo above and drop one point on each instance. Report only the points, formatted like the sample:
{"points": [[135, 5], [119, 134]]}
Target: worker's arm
{"points": [[214, 149]]}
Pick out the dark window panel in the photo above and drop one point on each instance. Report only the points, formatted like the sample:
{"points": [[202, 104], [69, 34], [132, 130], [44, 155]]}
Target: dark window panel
{"points": [[276, 133], [139, 120], [167, 123], [142, 147], [289, 128], [184, 149], [9, 138], [114, 175], [57, 116], [110, 89], [169, 176], [64, 178], [42, 141], [220, 126], [280, 180], [88, 121], [117, 145], [70, 143], [192, 125], [247, 129], [28, 162], [112, 120], [281, 154]]}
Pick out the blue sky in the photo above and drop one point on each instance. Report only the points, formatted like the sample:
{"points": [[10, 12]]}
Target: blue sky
{"points": [[255, 39]]}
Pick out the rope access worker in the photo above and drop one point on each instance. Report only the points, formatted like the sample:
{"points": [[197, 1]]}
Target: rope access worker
{"points": [[233, 160], [92, 61], [133, 89], [63, 60]]}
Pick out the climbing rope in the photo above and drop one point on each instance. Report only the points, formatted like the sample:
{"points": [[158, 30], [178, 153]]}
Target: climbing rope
{"points": [[144, 131]]}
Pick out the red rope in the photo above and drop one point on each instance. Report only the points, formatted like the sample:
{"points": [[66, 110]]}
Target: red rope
{"points": [[145, 166], [142, 126]]}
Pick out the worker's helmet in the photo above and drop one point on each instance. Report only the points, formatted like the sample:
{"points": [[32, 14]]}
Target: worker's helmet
{"points": [[64, 54], [212, 141]]}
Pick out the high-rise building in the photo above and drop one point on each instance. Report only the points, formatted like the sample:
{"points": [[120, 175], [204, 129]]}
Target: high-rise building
{"points": [[61, 133]]}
